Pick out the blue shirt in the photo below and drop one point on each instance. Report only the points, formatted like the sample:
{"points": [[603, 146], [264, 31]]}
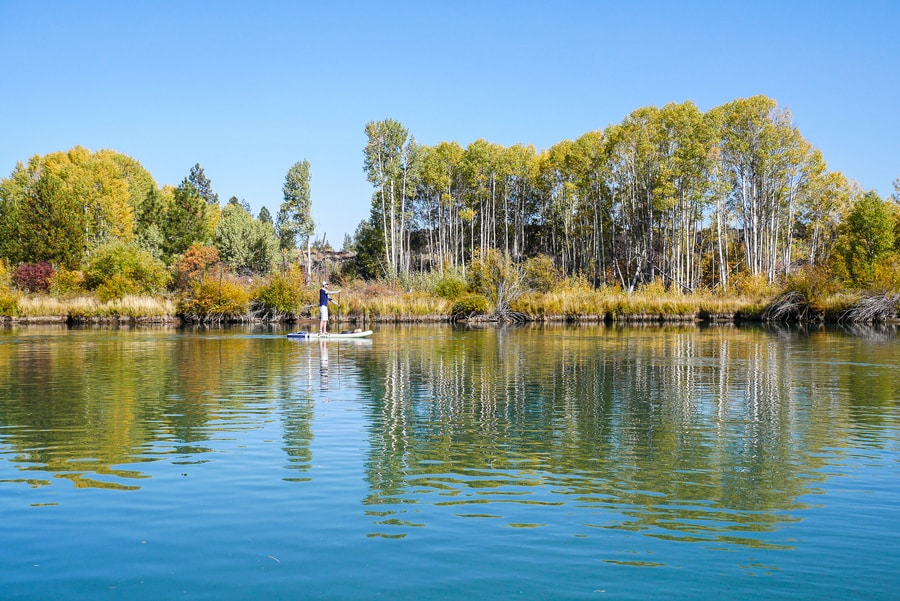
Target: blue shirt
{"points": [[323, 297]]}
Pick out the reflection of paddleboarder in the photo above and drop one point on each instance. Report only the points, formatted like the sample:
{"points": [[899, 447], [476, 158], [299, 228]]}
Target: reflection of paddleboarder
{"points": [[323, 365], [324, 299]]}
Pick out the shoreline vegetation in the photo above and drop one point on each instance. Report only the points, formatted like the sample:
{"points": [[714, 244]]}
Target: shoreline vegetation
{"points": [[372, 304]]}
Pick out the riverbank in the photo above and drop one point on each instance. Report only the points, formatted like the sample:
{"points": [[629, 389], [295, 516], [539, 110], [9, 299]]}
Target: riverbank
{"points": [[397, 306]]}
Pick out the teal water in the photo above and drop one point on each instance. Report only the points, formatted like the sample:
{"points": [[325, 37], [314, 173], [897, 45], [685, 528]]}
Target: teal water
{"points": [[433, 462]]}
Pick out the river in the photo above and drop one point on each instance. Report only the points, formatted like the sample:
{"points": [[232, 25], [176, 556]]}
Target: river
{"points": [[440, 462]]}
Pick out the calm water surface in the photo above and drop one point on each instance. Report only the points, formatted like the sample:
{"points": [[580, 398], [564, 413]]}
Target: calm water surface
{"points": [[441, 463]]}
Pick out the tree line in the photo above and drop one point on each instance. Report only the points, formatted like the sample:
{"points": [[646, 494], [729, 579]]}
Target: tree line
{"points": [[70, 207], [689, 198], [673, 196]]}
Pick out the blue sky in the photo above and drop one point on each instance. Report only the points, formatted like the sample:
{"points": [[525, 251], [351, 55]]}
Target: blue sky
{"points": [[248, 89]]}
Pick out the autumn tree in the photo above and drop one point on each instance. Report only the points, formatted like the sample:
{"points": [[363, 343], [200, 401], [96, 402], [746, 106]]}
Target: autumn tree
{"points": [[763, 154], [590, 175], [62, 205], [439, 203], [391, 162], [824, 196], [635, 170]]}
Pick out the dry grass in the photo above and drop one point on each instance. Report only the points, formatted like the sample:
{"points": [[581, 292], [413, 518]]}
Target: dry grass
{"points": [[392, 305], [582, 303], [378, 301], [88, 307], [41, 306]]}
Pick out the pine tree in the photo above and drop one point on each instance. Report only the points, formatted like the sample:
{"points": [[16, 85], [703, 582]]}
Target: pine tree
{"points": [[295, 224], [202, 184]]}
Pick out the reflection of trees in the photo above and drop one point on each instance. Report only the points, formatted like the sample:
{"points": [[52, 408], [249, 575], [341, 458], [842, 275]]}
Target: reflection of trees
{"points": [[679, 430], [77, 403]]}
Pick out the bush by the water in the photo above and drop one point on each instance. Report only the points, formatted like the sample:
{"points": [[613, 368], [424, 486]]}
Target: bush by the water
{"points": [[120, 269], [67, 282], [541, 274], [215, 300], [8, 304], [470, 305], [195, 265], [450, 286], [496, 277], [33, 277], [284, 295]]}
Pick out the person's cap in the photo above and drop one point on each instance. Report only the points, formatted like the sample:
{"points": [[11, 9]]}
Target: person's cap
{"points": [[324, 283]]}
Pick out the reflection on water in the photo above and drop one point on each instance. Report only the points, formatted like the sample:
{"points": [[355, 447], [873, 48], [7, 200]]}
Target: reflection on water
{"points": [[717, 436], [79, 403], [678, 434]]}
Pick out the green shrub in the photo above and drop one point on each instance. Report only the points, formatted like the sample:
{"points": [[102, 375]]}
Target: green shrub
{"points": [[866, 235], [67, 282], [284, 294], [117, 262], [116, 287], [450, 286], [469, 305], [9, 306], [540, 274]]}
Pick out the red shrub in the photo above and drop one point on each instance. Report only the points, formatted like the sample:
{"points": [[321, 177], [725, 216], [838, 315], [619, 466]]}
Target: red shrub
{"points": [[33, 277]]}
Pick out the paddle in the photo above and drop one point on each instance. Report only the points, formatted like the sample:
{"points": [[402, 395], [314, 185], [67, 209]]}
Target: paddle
{"points": [[338, 303]]}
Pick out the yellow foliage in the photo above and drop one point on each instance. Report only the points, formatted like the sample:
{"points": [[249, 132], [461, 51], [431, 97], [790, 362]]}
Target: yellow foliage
{"points": [[97, 181], [215, 298], [66, 282], [652, 289], [4, 275], [9, 303], [887, 274], [745, 284]]}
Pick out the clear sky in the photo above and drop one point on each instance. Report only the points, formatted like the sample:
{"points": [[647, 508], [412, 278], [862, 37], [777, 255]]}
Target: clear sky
{"points": [[246, 89]]}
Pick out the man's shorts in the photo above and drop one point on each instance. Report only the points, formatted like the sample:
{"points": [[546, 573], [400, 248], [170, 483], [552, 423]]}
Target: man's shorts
{"points": [[323, 313]]}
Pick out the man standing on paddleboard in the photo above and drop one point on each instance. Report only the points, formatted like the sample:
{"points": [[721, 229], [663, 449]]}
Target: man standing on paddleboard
{"points": [[324, 298]]}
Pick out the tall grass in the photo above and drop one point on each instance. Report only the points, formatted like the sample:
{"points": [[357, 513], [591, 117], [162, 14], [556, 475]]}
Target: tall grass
{"points": [[572, 299], [579, 302], [391, 305], [89, 307], [41, 306]]}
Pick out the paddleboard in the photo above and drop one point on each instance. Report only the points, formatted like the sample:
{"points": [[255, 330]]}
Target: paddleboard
{"points": [[329, 336]]}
